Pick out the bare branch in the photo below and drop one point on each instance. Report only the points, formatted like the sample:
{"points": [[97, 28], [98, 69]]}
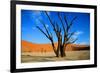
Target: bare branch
{"points": [[67, 38], [50, 38], [70, 35], [42, 31], [61, 22], [74, 40], [66, 22], [45, 27], [57, 27], [51, 34], [71, 23], [71, 41], [50, 21]]}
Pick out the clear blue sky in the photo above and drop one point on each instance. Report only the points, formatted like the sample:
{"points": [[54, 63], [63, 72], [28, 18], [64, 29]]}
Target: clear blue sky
{"points": [[30, 19]]}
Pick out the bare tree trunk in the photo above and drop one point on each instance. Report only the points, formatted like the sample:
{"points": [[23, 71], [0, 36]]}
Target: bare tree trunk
{"points": [[58, 48], [62, 51], [58, 51]]}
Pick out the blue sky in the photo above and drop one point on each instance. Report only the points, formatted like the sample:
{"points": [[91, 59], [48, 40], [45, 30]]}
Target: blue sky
{"points": [[30, 19]]}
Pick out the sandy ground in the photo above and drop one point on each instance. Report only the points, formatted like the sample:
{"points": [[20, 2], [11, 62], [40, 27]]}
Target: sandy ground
{"points": [[27, 57]]}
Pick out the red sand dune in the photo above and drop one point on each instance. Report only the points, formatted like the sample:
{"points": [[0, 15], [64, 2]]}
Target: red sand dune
{"points": [[32, 47]]}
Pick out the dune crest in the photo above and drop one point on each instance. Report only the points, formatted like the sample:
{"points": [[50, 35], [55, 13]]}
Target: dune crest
{"points": [[33, 47]]}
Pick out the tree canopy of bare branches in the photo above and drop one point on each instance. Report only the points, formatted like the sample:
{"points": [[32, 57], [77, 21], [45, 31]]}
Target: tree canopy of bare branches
{"points": [[63, 40]]}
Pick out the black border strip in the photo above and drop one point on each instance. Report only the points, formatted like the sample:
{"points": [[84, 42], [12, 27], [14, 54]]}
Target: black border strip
{"points": [[54, 4], [95, 36], [13, 36], [55, 68]]}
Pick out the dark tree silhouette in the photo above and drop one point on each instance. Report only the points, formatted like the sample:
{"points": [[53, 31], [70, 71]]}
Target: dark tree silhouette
{"points": [[63, 40]]}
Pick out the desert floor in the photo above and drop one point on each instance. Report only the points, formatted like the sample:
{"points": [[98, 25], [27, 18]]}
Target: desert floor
{"points": [[27, 57]]}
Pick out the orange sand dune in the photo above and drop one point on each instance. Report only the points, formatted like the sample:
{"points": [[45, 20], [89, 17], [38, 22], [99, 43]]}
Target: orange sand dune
{"points": [[32, 47]]}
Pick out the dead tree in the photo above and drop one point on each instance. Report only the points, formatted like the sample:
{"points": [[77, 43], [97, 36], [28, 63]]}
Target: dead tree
{"points": [[67, 37]]}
